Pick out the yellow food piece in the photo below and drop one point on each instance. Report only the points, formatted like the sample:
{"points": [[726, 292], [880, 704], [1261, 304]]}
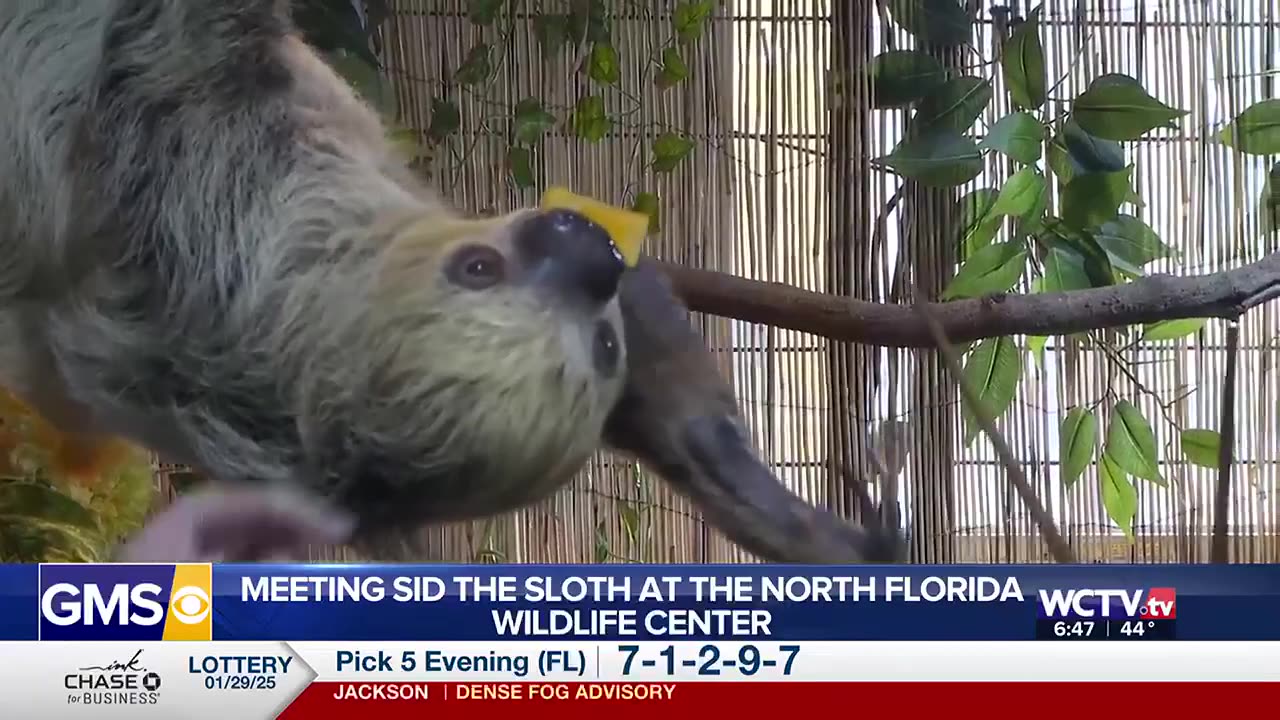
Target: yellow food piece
{"points": [[627, 228]]}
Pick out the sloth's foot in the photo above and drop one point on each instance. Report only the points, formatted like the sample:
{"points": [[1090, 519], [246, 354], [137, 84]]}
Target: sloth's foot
{"points": [[242, 524]]}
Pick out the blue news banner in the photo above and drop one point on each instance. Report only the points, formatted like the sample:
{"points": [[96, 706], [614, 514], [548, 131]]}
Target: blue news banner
{"points": [[654, 602]]}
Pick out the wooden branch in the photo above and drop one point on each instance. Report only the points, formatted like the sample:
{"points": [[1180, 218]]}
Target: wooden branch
{"points": [[1219, 549], [1058, 545], [1226, 294]]}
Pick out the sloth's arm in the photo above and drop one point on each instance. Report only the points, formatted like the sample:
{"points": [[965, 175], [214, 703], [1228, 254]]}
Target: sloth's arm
{"points": [[679, 416]]}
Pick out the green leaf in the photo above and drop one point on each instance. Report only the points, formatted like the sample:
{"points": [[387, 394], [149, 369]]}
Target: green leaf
{"points": [[1256, 131], [1131, 243], [1077, 440], [673, 70], [1018, 135], [365, 79], [445, 119], [992, 269], [944, 159], [1073, 152], [29, 541], [588, 21], [602, 551], [1064, 270], [476, 67], [604, 66], [1201, 447], [531, 121], [483, 12], [1131, 444], [1119, 496], [954, 105], [520, 162], [1092, 199], [33, 501], [1020, 193], [936, 22], [690, 19], [1022, 62], [669, 149], [589, 120], [1117, 107], [1269, 202], [647, 203], [1172, 329], [978, 226], [1271, 186], [552, 31], [1035, 346], [630, 521], [1097, 264], [992, 371], [1032, 221], [901, 77]]}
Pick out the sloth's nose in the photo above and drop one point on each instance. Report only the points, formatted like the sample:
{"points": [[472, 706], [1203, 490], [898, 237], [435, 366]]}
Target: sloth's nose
{"points": [[572, 253]]}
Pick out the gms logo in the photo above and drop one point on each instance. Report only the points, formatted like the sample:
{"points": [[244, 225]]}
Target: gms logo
{"points": [[126, 602], [1152, 604]]}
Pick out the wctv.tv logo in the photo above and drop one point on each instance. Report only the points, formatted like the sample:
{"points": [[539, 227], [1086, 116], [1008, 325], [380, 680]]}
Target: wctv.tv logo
{"points": [[136, 602], [1151, 604]]}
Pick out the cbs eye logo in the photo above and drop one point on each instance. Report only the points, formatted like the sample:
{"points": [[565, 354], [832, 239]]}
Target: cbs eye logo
{"points": [[190, 605]]}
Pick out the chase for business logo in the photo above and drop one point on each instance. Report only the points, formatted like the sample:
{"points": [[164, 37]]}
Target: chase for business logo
{"points": [[119, 681], [134, 603]]}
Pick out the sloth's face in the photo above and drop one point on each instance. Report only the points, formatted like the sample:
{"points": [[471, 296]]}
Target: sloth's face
{"points": [[500, 354], [555, 275]]}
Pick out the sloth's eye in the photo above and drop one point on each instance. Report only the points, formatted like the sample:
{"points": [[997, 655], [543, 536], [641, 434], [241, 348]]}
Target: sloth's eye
{"points": [[605, 350], [476, 267]]}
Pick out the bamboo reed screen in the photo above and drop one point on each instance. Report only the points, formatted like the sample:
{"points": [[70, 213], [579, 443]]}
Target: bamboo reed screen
{"points": [[779, 189]]}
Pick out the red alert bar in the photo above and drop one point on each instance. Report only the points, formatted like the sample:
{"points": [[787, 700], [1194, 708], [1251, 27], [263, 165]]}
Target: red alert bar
{"points": [[623, 700]]}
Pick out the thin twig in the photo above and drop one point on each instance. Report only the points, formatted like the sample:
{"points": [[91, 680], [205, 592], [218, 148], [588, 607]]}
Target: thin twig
{"points": [[1218, 550], [1058, 546]]}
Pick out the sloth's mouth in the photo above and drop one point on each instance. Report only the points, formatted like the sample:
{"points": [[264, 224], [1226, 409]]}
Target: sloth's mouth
{"points": [[570, 255]]}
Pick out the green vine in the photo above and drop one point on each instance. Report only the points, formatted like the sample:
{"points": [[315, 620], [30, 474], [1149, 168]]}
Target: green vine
{"points": [[1089, 235], [578, 33]]}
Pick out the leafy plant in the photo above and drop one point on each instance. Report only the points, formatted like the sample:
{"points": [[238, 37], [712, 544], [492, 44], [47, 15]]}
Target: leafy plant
{"points": [[1065, 218], [565, 30], [62, 503]]}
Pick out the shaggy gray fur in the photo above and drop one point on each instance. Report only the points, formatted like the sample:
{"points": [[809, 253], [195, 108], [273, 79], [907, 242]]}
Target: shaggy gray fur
{"points": [[210, 248]]}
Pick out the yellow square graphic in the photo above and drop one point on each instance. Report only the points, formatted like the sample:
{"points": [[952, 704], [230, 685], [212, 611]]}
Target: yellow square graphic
{"points": [[190, 603]]}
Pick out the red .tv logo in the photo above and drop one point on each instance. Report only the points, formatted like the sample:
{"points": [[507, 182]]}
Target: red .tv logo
{"points": [[1161, 604]]}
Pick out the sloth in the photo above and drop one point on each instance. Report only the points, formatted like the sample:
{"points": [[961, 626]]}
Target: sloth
{"points": [[212, 250]]}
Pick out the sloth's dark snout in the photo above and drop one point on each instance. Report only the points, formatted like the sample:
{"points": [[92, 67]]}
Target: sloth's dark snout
{"points": [[565, 250]]}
